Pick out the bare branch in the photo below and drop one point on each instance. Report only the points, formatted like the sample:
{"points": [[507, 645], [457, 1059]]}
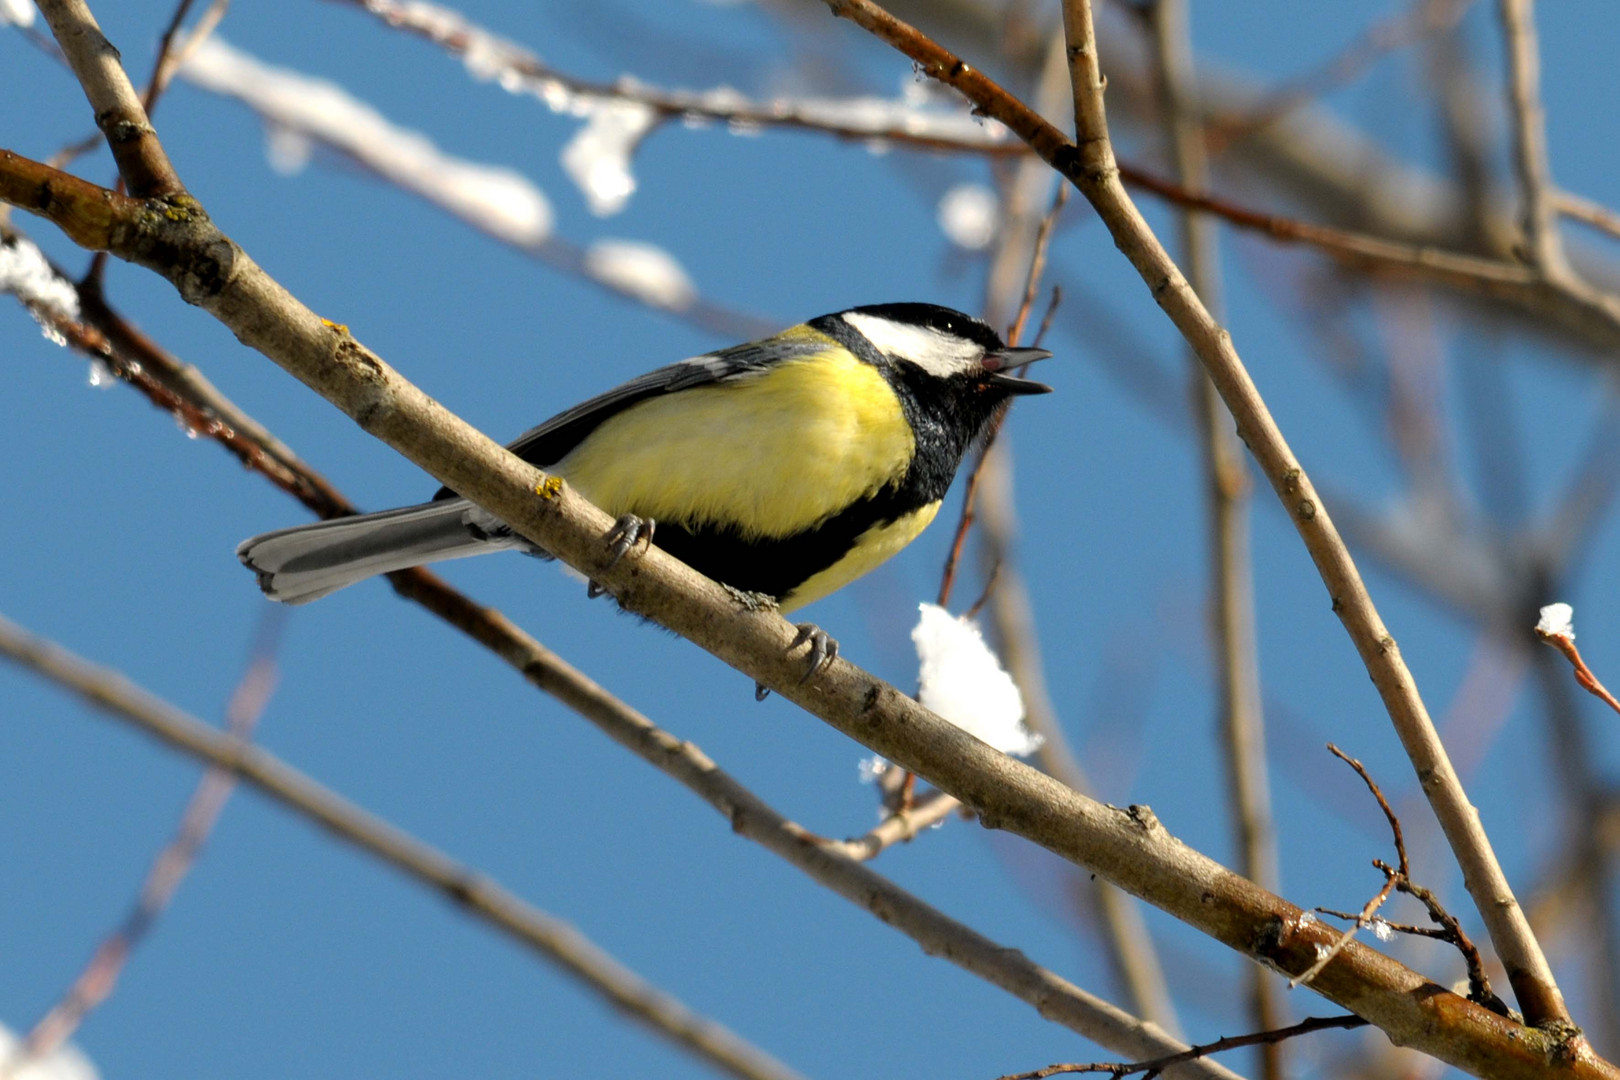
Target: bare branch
{"points": [[899, 827], [96, 982], [1226, 497], [1587, 210], [467, 888], [1124, 845], [119, 112], [1451, 931], [1119, 1070], [874, 121], [1091, 167], [832, 864], [1539, 209]]}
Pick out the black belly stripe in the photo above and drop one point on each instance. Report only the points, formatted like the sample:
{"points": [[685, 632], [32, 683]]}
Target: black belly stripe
{"points": [[776, 566]]}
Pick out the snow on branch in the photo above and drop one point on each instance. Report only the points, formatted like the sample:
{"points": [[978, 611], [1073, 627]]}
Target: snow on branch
{"points": [[915, 118], [300, 109], [962, 681]]}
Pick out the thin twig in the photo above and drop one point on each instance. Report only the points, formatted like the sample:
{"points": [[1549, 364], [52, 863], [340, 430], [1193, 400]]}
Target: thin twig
{"points": [[1119, 1070], [970, 491], [97, 981], [1381, 896], [1565, 644], [898, 828], [1587, 210], [1383, 804], [1400, 879], [1430, 932], [517, 68], [1226, 498], [462, 885], [169, 58], [1539, 211]]}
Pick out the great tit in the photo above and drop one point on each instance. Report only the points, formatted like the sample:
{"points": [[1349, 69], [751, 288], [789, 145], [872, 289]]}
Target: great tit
{"points": [[788, 466]]}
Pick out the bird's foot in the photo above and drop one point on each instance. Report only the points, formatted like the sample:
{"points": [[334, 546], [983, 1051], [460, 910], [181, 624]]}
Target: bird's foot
{"points": [[823, 651], [624, 535]]}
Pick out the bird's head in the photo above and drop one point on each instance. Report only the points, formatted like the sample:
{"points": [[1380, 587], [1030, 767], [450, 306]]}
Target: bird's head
{"points": [[936, 343]]}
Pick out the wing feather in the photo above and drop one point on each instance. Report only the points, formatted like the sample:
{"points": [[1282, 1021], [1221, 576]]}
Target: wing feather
{"points": [[551, 441]]}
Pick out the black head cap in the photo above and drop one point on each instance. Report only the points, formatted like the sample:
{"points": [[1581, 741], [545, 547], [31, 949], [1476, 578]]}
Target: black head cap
{"points": [[937, 318]]}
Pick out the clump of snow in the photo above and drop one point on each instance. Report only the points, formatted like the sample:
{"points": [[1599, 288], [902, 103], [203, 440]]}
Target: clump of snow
{"points": [[962, 681], [645, 271], [968, 215], [1381, 928], [64, 1063], [872, 768], [497, 200], [597, 158], [27, 274], [16, 12], [1557, 620]]}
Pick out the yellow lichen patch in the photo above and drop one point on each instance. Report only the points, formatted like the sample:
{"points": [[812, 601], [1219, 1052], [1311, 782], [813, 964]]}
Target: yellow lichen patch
{"points": [[549, 488], [339, 327]]}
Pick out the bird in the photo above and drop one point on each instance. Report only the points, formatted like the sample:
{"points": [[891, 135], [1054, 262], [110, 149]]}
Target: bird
{"points": [[785, 467]]}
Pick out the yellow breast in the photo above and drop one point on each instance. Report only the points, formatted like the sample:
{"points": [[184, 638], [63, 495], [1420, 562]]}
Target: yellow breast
{"points": [[770, 455]]}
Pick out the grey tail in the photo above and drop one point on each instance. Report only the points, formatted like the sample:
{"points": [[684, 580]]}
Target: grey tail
{"points": [[305, 563]]}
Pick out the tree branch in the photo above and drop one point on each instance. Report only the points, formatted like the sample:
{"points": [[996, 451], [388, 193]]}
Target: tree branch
{"points": [[119, 112], [1226, 497], [831, 864], [1089, 164], [1539, 209], [463, 886], [1129, 847]]}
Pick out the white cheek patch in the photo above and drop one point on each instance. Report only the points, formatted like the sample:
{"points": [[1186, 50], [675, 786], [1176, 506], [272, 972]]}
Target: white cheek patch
{"points": [[935, 352]]}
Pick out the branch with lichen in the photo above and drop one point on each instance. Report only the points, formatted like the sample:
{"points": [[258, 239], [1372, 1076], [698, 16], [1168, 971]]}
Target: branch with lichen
{"points": [[133, 358], [1127, 846]]}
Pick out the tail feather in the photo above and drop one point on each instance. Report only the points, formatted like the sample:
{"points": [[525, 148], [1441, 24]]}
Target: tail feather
{"points": [[306, 563]]}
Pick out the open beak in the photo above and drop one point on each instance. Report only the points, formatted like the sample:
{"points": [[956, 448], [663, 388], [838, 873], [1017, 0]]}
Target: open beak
{"points": [[1012, 358]]}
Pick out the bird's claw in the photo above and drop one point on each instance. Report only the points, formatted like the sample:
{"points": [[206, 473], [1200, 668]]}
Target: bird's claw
{"points": [[823, 651], [624, 534], [593, 589]]}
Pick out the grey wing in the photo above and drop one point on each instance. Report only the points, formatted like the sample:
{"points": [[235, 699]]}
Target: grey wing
{"points": [[551, 441]]}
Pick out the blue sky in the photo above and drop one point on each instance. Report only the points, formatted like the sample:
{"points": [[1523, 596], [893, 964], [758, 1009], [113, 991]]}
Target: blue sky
{"points": [[287, 954]]}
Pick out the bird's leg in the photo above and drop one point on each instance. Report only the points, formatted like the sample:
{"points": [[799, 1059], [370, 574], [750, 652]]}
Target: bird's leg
{"points": [[823, 651], [620, 539]]}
